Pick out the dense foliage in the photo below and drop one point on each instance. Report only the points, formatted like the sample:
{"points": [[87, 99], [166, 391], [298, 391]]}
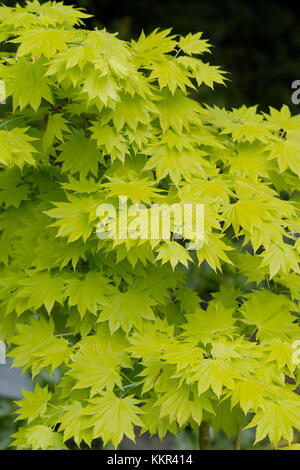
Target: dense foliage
{"points": [[92, 118], [259, 49]]}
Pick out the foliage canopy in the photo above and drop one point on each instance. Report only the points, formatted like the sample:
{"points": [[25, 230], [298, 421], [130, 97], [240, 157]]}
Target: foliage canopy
{"points": [[94, 117]]}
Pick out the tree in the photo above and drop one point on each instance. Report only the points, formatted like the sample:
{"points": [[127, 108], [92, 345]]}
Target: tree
{"points": [[93, 118]]}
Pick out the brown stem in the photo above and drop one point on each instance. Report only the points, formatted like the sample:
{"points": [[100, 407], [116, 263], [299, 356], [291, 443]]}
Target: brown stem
{"points": [[238, 438], [204, 436]]}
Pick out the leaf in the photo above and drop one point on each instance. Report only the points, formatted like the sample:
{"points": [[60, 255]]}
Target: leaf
{"points": [[12, 191], [56, 126], [177, 164], [249, 394], [74, 423], [76, 218], [177, 111], [171, 74], [249, 214], [34, 404], [181, 354], [246, 122], [276, 421], [127, 309], [280, 260], [203, 72], [214, 373], [250, 160], [228, 418], [282, 353], [58, 12], [108, 409], [41, 42], [291, 447], [286, 152], [154, 423], [37, 347], [249, 266], [88, 293], [96, 368], [156, 44], [36, 290], [110, 141], [173, 252], [103, 89], [213, 251], [132, 111], [27, 85], [192, 44], [79, 155], [274, 319], [16, 149], [138, 190], [43, 438], [204, 326], [176, 404]]}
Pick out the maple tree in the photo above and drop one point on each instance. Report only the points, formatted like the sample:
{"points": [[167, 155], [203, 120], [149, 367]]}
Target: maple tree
{"points": [[94, 117]]}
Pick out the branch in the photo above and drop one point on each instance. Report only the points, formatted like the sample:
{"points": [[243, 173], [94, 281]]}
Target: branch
{"points": [[204, 436], [237, 445]]}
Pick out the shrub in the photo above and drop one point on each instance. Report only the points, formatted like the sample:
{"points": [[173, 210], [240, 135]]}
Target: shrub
{"points": [[91, 118]]}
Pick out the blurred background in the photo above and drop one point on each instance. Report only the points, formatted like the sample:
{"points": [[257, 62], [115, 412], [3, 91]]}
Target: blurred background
{"points": [[258, 42]]}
